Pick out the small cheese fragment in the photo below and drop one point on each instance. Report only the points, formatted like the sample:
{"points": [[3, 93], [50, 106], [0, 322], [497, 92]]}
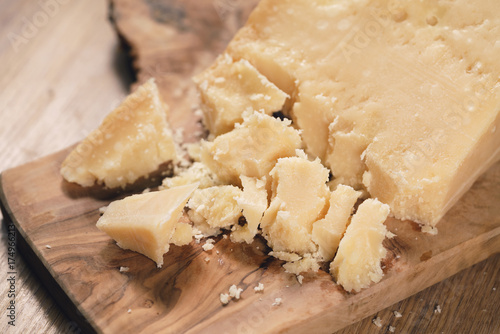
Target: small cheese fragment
{"points": [[131, 142], [197, 172], [251, 149], [246, 88], [183, 234], [147, 223], [357, 262], [328, 231], [299, 196], [307, 263], [406, 91], [253, 203], [215, 206]]}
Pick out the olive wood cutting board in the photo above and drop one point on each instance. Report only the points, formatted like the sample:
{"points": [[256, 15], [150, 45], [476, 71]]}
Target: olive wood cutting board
{"points": [[55, 220]]}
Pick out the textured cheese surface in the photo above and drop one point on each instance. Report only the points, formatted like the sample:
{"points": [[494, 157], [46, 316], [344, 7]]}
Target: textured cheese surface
{"points": [[197, 172], [407, 91], [215, 206], [228, 88], [253, 203], [251, 149], [132, 141], [299, 197], [149, 222], [357, 262], [327, 232]]}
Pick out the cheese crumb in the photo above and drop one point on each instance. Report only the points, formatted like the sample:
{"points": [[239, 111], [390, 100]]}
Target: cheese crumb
{"points": [[377, 322], [207, 259], [392, 329], [259, 287], [397, 314], [277, 302], [48, 246], [209, 245], [129, 311], [437, 309], [235, 292], [124, 269], [102, 209], [300, 278], [224, 298]]}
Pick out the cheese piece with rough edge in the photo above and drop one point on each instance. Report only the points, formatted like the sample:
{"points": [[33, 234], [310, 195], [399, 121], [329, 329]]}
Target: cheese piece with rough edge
{"points": [[230, 87], [253, 203], [146, 223], [327, 232], [299, 197], [251, 149], [183, 234], [357, 262], [215, 206], [131, 142], [413, 87], [197, 172]]}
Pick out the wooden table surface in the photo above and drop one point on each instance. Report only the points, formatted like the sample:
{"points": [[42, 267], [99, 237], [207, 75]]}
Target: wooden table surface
{"points": [[61, 71]]}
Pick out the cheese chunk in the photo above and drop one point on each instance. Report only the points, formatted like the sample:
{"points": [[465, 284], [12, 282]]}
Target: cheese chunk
{"points": [[327, 232], [197, 172], [148, 223], [357, 262], [230, 87], [253, 203], [251, 149], [132, 141], [299, 197], [216, 207], [406, 91]]}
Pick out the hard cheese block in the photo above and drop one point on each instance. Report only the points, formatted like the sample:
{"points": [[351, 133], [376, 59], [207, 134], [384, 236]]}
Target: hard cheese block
{"points": [[148, 223], [132, 141], [399, 98]]}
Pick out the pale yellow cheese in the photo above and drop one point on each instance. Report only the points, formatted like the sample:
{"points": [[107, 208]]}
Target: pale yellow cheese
{"points": [[305, 264], [214, 208], [357, 262], [149, 222], [406, 91], [253, 203], [327, 232], [230, 87], [132, 141], [251, 149], [299, 197], [197, 172]]}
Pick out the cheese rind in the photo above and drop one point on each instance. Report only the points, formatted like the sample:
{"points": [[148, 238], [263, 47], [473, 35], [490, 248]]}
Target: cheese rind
{"points": [[357, 262], [299, 196], [408, 92], [251, 149], [230, 87], [147, 223], [131, 142]]}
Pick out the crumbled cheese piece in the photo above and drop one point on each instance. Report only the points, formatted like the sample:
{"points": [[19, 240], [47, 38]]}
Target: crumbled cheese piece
{"points": [[129, 311], [235, 292], [307, 263], [357, 264], [377, 322], [135, 131], [146, 223], [102, 209], [247, 88], [251, 149], [207, 259], [430, 229], [197, 172], [224, 298], [259, 287], [397, 314], [437, 309], [48, 246], [392, 329], [207, 247], [277, 302], [124, 269], [300, 278]]}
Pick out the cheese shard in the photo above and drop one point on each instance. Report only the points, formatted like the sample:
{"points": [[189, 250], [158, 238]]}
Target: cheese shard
{"points": [[357, 262], [253, 203], [230, 87], [149, 222], [214, 208], [299, 196], [251, 149], [327, 232], [407, 92], [131, 142]]}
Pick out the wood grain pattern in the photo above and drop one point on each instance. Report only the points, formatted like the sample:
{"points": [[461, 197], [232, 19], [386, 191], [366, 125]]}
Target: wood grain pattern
{"points": [[69, 72], [183, 296]]}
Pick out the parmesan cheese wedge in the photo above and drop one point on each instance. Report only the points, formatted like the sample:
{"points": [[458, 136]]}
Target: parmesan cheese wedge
{"points": [[400, 98], [148, 223], [357, 262], [131, 142]]}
